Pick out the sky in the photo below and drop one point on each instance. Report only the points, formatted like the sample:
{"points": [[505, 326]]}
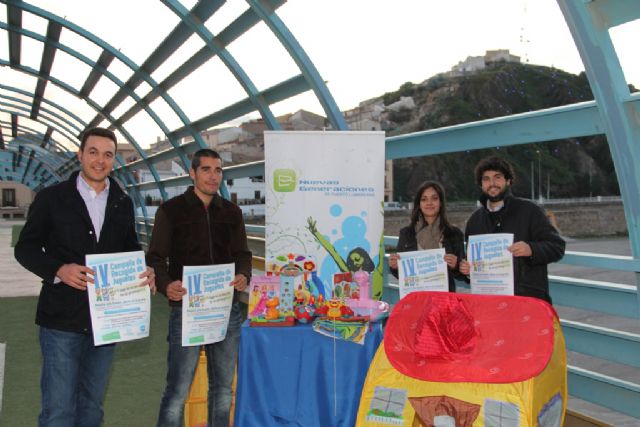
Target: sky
{"points": [[362, 48]]}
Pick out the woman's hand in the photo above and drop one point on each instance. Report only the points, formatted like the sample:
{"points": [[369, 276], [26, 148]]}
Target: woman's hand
{"points": [[393, 261], [451, 260]]}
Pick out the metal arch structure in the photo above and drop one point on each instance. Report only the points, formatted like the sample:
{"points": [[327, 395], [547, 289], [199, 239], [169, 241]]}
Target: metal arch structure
{"points": [[589, 23], [614, 113], [191, 22]]}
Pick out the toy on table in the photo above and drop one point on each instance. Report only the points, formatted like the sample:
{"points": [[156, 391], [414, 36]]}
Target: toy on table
{"points": [[262, 288], [290, 278], [272, 317], [304, 313], [302, 297], [342, 285], [272, 309], [364, 306], [361, 278]]}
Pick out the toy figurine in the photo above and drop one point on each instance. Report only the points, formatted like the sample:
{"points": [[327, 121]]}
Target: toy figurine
{"points": [[334, 311], [304, 313], [272, 309], [362, 280]]}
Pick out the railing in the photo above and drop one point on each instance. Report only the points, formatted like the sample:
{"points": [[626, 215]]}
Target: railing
{"points": [[608, 344]]}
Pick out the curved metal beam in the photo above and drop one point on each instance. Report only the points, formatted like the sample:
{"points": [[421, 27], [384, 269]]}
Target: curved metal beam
{"points": [[235, 29], [588, 25], [227, 59], [51, 114], [112, 77], [275, 24], [46, 140], [129, 91], [24, 112], [127, 176]]}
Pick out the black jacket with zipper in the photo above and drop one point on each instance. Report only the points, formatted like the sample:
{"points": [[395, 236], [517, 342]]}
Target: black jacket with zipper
{"points": [[59, 231], [528, 223], [187, 233]]}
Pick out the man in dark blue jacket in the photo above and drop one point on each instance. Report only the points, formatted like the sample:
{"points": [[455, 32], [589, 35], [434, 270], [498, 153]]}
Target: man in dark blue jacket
{"points": [[88, 214], [536, 242]]}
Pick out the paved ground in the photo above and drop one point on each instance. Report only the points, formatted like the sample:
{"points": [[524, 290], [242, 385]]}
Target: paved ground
{"points": [[14, 280]]}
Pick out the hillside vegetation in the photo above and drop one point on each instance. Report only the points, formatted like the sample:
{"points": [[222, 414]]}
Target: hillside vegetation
{"points": [[577, 167]]}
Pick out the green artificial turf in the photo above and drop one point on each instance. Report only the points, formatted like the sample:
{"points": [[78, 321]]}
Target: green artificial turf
{"points": [[15, 233], [137, 377]]}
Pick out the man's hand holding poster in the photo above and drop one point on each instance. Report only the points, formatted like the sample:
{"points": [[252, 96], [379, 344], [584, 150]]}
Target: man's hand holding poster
{"points": [[119, 306], [207, 304], [491, 264]]}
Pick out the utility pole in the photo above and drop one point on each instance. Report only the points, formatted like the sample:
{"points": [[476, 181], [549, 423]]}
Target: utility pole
{"points": [[548, 185], [539, 175], [533, 196]]}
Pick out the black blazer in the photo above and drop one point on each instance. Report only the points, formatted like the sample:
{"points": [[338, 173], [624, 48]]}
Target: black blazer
{"points": [[59, 231], [452, 242]]}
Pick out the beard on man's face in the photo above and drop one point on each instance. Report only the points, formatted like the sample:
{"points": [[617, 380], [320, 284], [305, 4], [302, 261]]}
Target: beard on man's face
{"points": [[498, 197]]}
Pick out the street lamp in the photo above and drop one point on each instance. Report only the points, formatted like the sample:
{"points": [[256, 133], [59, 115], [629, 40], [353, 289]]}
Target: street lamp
{"points": [[533, 194], [539, 175]]}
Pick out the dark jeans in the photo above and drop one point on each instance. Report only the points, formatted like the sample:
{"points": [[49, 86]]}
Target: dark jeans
{"points": [[181, 367], [74, 378]]}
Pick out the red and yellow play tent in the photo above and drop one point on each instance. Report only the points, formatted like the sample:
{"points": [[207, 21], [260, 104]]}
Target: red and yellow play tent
{"points": [[468, 360]]}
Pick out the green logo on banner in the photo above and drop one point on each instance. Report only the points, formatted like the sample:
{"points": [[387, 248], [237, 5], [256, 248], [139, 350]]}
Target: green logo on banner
{"points": [[284, 180]]}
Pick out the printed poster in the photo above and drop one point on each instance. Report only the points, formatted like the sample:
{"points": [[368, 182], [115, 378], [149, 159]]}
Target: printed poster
{"points": [[262, 289], [422, 271], [206, 306], [120, 308], [491, 264], [325, 193]]}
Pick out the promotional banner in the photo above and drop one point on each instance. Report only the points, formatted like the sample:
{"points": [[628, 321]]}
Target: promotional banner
{"points": [[422, 271], [206, 306], [120, 308], [491, 264], [325, 193]]}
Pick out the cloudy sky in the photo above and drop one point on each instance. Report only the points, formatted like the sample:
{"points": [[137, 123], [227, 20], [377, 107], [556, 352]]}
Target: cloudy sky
{"points": [[362, 48]]}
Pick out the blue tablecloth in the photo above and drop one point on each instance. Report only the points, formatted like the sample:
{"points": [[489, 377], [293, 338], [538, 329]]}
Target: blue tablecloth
{"points": [[293, 376]]}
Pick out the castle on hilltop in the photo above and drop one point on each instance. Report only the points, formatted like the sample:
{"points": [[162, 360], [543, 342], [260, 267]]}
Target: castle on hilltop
{"points": [[475, 63]]}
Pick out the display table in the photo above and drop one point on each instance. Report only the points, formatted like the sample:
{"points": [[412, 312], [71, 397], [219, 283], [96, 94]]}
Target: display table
{"points": [[293, 376]]}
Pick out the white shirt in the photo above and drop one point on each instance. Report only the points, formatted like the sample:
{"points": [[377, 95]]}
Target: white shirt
{"points": [[96, 202]]}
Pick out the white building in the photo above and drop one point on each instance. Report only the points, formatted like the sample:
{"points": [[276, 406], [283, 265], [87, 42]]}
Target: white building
{"points": [[475, 63]]}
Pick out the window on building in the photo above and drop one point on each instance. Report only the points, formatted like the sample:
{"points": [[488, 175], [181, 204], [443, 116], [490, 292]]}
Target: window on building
{"points": [[8, 197], [256, 195]]}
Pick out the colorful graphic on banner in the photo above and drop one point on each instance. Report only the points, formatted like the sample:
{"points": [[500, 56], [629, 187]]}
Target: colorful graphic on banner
{"points": [[324, 198]]}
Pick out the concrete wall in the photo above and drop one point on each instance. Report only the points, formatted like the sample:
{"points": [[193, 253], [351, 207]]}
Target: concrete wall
{"points": [[573, 220]]}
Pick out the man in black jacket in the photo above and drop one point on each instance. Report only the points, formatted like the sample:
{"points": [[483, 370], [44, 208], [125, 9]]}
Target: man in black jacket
{"points": [[88, 214], [199, 227], [536, 242]]}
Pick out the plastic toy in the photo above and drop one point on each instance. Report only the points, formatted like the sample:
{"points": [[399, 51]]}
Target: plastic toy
{"points": [[334, 311], [362, 281], [304, 313], [272, 309], [375, 309]]}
